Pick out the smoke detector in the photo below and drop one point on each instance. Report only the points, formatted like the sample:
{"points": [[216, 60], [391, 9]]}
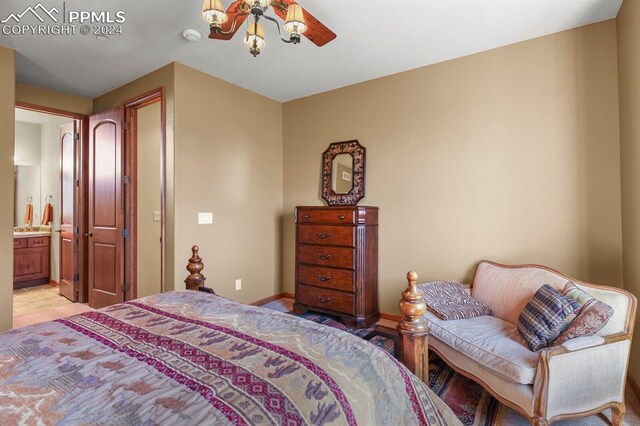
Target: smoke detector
{"points": [[191, 35]]}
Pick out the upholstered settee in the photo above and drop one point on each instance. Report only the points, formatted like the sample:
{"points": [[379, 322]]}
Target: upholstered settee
{"points": [[584, 376]]}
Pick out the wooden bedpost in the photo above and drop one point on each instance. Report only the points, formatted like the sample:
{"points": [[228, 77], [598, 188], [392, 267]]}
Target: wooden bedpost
{"points": [[413, 330], [195, 267]]}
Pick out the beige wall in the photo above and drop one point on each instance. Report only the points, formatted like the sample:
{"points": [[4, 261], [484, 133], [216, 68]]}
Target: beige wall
{"points": [[163, 77], [42, 96], [7, 125], [511, 155], [629, 80], [228, 161], [149, 141]]}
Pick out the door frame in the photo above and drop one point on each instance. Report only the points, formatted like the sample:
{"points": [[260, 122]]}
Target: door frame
{"points": [[80, 204], [131, 108]]}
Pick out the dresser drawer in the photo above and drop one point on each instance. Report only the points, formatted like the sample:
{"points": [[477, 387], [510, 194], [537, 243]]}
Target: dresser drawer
{"points": [[325, 299], [326, 256], [330, 216], [337, 279], [19, 242], [327, 235], [38, 242]]}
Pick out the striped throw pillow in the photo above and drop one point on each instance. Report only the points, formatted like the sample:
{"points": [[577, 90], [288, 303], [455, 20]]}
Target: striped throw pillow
{"points": [[544, 317], [448, 300]]}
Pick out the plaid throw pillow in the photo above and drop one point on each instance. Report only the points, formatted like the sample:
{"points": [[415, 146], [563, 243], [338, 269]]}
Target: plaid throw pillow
{"points": [[544, 317], [591, 317]]}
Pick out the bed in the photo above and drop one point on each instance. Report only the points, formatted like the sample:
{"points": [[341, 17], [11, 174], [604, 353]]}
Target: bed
{"points": [[197, 358]]}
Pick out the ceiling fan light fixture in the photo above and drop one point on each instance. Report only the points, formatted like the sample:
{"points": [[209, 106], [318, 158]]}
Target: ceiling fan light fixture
{"points": [[295, 23], [259, 3], [213, 13], [254, 38]]}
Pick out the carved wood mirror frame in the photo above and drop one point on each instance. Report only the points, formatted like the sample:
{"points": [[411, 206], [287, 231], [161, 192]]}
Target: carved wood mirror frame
{"points": [[358, 152]]}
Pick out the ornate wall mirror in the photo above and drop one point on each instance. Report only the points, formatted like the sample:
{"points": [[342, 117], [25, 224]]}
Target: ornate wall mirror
{"points": [[343, 165]]}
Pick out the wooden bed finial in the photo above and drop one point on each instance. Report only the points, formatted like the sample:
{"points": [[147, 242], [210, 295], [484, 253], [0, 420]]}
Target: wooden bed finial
{"points": [[195, 266], [413, 330]]}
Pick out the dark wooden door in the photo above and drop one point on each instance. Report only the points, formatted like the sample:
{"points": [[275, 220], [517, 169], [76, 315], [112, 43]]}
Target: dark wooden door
{"points": [[68, 242], [106, 210]]}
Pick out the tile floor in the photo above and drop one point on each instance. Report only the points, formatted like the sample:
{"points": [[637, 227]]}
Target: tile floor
{"points": [[42, 303]]}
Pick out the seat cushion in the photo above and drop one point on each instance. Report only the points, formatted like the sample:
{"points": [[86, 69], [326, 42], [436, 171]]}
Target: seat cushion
{"points": [[493, 343]]}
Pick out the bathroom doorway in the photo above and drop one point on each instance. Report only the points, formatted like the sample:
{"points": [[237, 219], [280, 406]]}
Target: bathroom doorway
{"points": [[48, 264]]}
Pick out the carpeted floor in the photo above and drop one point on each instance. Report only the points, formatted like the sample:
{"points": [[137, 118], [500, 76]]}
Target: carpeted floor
{"points": [[468, 400]]}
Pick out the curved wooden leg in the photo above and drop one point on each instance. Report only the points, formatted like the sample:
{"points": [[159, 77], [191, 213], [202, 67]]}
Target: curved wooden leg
{"points": [[539, 421], [617, 414]]}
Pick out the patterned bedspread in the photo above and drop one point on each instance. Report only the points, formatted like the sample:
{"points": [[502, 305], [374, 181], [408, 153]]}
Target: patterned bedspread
{"points": [[195, 358]]}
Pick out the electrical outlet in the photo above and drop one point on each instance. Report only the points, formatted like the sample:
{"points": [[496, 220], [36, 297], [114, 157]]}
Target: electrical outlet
{"points": [[157, 216], [205, 218], [238, 284]]}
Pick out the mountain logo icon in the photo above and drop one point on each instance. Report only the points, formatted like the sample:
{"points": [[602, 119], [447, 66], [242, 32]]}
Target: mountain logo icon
{"points": [[39, 11]]}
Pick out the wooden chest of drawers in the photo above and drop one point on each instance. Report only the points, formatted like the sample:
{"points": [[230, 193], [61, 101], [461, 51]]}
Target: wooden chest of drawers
{"points": [[337, 262]]}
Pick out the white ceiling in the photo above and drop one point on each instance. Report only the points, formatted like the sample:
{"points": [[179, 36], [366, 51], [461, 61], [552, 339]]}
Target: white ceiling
{"points": [[374, 38]]}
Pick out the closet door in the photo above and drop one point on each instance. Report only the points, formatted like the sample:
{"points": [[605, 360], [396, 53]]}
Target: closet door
{"points": [[69, 139], [106, 210]]}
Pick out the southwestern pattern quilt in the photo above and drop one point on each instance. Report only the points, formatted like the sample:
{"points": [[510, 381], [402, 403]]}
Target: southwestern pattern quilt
{"points": [[195, 358]]}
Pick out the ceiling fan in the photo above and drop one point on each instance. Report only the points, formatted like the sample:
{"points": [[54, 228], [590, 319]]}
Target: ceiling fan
{"points": [[297, 21]]}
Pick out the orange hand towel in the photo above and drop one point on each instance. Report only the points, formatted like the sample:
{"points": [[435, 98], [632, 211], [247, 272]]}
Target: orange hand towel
{"points": [[28, 214], [47, 215]]}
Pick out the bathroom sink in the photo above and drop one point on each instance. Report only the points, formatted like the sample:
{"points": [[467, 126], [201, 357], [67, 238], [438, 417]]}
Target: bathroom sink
{"points": [[31, 231]]}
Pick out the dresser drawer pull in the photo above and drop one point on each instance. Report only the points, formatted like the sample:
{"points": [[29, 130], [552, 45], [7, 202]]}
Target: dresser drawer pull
{"points": [[323, 299], [323, 235], [341, 217], [323, 278], [306, 216], [323, 256]]}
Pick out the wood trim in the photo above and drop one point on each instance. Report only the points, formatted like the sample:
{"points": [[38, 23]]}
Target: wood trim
{"points": [[270, 299], [633, 384], [131, 169], [391, 317], [48, 110], [54, 283]]}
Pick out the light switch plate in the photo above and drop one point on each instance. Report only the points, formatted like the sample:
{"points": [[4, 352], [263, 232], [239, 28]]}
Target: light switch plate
{"points": [[205, 218], [238, 284], [157, 216]]}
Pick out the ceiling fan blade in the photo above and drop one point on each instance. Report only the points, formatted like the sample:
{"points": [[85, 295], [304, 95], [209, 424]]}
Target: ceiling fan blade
{"points": [[237, 8], [316, 31]]}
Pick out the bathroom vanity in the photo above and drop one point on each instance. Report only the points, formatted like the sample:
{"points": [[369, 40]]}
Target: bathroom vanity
{"points": [[31, 254]]}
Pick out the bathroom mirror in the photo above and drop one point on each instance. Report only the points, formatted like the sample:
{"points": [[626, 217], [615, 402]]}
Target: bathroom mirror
{"points": [[27, 189], [343, 166]]}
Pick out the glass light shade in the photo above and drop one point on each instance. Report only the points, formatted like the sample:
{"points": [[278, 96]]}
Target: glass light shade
{"points": [[254, 34], [213, 12], [262, 3], [295, 23]]}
